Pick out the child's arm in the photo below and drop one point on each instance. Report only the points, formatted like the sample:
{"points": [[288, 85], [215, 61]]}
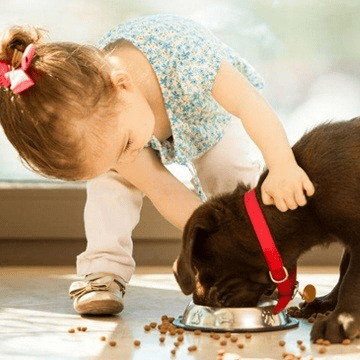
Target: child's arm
{"points": [[286, 182], [170, 197]]}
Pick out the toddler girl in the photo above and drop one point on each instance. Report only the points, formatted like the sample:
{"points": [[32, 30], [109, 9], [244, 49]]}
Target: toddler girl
{"points": [[161, 90]]}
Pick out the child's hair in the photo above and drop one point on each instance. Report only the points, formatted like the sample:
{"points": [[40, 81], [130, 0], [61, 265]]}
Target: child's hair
{"points": [[47, 122]]}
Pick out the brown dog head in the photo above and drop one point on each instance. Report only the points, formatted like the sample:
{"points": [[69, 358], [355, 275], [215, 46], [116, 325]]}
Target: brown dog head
{"points": [[221, 262]]}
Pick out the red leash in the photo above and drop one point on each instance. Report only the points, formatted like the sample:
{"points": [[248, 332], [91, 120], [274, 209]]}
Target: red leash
{"points": [[285, 282]]}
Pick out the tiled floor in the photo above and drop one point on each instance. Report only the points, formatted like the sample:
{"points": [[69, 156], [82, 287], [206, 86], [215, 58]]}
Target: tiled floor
{"points": [[35, 316]]}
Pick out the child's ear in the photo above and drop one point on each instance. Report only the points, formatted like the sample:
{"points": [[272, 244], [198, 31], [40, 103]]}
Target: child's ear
{"points": [[121, 80]]}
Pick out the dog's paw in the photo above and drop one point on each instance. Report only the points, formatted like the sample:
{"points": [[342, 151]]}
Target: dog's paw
{"points": [[336, 327], [318, 305]]}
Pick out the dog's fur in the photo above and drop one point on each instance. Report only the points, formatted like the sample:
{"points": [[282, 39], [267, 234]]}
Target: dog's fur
{"points": [[221, 262]]}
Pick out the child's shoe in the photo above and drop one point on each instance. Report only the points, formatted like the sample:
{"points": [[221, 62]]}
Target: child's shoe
{"points": [[98, 294]]}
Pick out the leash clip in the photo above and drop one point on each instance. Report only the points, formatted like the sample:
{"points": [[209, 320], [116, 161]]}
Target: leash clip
{"points": [[296, 289], [280, 281]]}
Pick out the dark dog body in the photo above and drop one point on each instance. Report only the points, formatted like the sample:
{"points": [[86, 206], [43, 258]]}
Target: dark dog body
{"points": [[222, 264]]}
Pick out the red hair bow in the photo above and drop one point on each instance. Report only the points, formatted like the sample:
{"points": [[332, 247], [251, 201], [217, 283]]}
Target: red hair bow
{"points": [[17, 80]]}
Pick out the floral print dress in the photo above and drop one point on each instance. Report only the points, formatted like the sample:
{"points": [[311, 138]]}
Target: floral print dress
{"points": [[185, 57]]}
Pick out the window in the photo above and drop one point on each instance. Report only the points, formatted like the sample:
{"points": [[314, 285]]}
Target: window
{"points": [[307, 51]]}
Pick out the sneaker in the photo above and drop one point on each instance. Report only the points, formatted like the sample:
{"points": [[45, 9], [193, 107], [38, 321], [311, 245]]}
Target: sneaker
{"points": [[98, 294]]}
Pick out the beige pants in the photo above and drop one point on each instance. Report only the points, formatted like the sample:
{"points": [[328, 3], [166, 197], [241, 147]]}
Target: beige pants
{"points": [[113, 205]]}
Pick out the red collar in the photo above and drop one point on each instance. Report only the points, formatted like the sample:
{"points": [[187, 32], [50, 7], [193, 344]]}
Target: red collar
{"points": [[285, 282]]}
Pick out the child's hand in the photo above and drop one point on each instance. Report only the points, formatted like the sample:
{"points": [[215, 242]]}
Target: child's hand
{"points": [[286, 187]]}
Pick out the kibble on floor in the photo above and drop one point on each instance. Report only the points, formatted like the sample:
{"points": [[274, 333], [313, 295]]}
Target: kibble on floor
{"points": [[143, 308], [166, 328]]}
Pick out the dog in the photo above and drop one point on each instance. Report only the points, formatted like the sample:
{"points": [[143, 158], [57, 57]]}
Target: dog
{"points": [[221, 262]]}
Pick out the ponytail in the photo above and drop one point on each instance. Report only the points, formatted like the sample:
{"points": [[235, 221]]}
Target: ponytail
{"points": [[45, 123]]}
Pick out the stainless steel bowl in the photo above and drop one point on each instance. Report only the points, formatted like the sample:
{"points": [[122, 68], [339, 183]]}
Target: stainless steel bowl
{"points": [[255, 319]]}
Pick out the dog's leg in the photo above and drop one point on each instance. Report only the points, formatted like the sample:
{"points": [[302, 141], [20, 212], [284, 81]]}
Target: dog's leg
{"points": [[322, 304], [344, 321]]}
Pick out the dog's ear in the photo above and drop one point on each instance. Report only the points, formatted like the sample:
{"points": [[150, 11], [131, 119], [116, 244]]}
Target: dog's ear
{"points": [[197, 229]]}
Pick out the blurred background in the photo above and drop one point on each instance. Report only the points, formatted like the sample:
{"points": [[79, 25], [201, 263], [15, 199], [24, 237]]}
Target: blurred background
{"points": [[306, 50]]}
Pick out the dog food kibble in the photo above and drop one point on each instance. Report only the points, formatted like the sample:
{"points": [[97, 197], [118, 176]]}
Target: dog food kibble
{"points": [[84, 328], [282, 343], [173, 351], [112, 343], [137, 342], [322, 350], [164, 317], [177, 343], [346, 342], [234, 339], [227, 335], [223, 342], [71, 331], [221, 352], [192, 348], [309, 293], [180, 338], [248, 335], [147, 327], [216, 337], [103, 338], [197, 332], [299, 342], [162, 339], [289, 357], [180, 331], [240, 345], [302, 347], [319, 341], [153, 325], [326, 342]]}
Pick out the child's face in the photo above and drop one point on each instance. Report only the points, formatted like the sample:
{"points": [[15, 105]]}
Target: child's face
{"points": [[132, 127]]}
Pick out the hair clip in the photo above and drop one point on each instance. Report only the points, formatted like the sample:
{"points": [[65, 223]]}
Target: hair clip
{"points": [[18, 80], [27, 57], [4, 68]]}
